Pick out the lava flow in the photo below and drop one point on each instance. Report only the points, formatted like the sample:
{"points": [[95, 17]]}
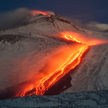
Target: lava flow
{"points": [[59, 65], [89, 41]]}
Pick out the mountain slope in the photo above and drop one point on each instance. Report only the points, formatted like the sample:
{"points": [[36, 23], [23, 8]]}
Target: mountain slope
{"points": [[32, 60], [94, 99], [38, 52], [92, 73]]}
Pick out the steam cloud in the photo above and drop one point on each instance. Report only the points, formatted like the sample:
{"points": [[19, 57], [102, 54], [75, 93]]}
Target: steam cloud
{"points": [[92, 25], [11, 18]]}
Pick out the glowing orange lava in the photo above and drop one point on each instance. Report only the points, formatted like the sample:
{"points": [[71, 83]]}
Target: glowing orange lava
{"points": [[40, 12], [61, 63], [77, 37], [55, 69], [69, 37], [71, 62]]}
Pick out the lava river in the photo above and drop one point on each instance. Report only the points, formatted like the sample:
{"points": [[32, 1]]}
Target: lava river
{"points": [[55, 68], [58, 65], [36, 81], [30, 65]]}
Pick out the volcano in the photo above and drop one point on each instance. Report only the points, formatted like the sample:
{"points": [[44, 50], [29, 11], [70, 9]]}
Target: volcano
{"points": [[39, 53]]}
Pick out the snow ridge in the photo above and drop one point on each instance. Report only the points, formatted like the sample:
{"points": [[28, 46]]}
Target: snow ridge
{"points": [[91, 99]]}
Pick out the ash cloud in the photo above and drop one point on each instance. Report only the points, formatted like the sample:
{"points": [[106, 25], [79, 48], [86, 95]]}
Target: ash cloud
{"points": [[8, 19], [92, 25]]}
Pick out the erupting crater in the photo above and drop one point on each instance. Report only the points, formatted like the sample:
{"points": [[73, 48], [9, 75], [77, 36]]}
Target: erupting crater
{"points": [[45, 13]]}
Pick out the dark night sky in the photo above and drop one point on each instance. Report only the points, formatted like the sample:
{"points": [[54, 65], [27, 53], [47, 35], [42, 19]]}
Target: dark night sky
{"points": [[86, 10]]}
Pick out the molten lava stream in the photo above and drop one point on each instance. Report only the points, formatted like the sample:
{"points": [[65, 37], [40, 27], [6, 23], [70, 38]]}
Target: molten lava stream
{"points": [[72, 61], [59, 64], [56, 68]]}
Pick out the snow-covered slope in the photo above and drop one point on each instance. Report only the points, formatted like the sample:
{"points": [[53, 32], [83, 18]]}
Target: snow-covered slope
{"points": [[41, 24], [90, 75], [95, 99], [25, 58], [28, 54], [27, 48]]}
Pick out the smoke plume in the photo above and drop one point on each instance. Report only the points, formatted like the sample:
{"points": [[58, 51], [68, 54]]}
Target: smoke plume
{"points": [[8, 19], [92, 25]]}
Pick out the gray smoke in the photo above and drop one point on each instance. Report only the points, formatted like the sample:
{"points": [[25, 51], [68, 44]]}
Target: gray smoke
{"points": [[8, 19], [92, 25]]}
